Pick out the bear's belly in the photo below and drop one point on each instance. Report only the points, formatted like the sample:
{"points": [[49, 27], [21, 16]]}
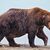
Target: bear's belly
{"points": [[14, 35]]}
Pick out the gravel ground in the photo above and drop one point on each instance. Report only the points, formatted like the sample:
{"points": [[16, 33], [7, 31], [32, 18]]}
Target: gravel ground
{"points": [[24, 47]]}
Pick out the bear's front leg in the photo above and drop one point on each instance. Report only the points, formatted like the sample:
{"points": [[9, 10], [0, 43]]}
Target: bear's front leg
{"points": [[42, 36], [31, 37]]}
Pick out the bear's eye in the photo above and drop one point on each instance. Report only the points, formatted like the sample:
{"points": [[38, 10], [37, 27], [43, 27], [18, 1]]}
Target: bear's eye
{"points": [[45, 15]]}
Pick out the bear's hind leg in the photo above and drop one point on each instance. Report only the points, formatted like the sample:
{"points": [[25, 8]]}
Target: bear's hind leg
{"points": [[1, 37], [12, 42]]}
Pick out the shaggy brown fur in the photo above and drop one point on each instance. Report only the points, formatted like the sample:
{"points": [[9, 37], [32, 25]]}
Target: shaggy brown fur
{"points": [[18, 22]]}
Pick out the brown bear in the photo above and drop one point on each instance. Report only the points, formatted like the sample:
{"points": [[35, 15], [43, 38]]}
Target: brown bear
{"points": [[18, 22]]}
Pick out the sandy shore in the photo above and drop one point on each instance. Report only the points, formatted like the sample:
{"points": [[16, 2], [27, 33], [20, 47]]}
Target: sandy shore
{"points": [[24, 47]]}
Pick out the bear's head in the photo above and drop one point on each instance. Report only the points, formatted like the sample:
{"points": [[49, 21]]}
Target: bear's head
{"points": [[42, 17]]}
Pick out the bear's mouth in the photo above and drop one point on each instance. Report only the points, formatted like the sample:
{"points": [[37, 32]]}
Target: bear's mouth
{"points": [[49, 25]]}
